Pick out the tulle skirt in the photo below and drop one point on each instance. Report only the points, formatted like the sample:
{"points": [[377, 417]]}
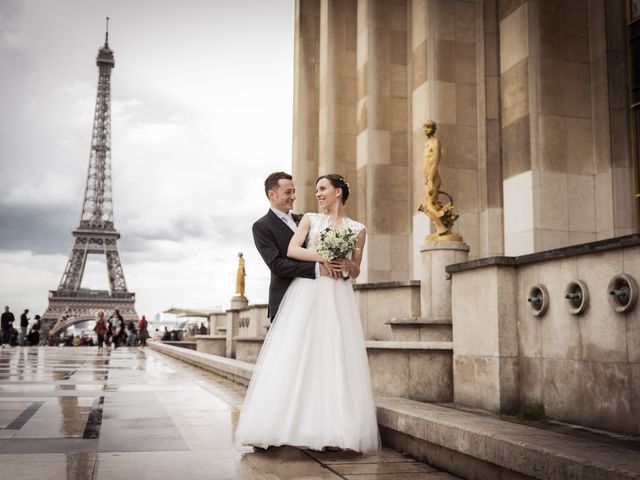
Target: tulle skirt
{"points": [[311, 386]]}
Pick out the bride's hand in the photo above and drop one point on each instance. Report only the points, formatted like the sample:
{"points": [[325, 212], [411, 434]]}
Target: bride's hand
{"points": [[326, 270], [343, 265]]}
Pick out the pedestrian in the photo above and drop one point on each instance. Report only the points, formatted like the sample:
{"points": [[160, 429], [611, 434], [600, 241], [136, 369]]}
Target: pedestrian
{"points": [[202, 330], [100, 329], [157, 335], [166, 336], [116, 323], [131, 337], [143, 331], [34, 333], [24, 325], [6, 322], [14, 336]]}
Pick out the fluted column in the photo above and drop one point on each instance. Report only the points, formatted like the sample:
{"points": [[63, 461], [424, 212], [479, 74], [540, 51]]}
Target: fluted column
{"points": [[383, 138], [305, 102], [338, 92]]}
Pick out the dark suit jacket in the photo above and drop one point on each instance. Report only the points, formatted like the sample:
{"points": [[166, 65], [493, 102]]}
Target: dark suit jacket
{"points": [[272, 236]]}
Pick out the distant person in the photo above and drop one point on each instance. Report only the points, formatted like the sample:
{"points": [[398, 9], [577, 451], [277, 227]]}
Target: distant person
{"points": [[6, 322], [116, 324], [131, 335], [157, 335], [14, 337], [143, 331], [100, 329], [166, 336], [202, 330], [24, 325], [34, 332]]}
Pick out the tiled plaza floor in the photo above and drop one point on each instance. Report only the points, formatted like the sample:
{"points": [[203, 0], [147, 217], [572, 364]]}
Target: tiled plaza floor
{"points": [[80, 413]]}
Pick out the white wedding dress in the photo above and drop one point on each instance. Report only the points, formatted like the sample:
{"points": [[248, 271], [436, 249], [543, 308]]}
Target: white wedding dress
{"points": [[311, 386]]}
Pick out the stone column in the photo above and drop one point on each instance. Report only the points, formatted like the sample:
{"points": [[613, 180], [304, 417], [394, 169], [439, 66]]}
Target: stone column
{"points": [[382, 143], [566, 167], [614, 190], [305, 102], [435, 285], [490, 221], [338, 92]]}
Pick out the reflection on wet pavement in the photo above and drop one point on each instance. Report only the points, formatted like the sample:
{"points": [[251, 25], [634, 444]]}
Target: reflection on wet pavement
{"points": [[80, 413]]}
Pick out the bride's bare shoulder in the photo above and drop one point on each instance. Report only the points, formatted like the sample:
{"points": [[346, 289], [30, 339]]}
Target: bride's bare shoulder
{"points": [[356, 225]]}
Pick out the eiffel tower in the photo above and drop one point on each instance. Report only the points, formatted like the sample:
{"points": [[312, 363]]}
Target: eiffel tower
{"points": [[96, 234]]}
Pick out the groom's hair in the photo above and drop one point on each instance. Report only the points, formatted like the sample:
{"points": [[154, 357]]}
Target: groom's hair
{"points": [[271, 183]]}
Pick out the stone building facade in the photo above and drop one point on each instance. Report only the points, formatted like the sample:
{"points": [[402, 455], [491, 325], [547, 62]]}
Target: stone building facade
{"points": [[534, 102]]}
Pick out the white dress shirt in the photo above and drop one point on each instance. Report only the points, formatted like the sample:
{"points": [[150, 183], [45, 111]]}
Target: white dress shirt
{"points": [[288, 219]]}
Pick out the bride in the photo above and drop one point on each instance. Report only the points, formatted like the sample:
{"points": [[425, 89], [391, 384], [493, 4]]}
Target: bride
{"points": [[311, 386]]}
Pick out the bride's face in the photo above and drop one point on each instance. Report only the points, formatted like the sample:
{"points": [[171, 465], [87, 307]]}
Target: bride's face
{"points": [[327, 194]]}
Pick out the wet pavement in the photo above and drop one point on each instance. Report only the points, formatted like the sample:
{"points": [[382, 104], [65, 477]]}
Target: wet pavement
{"points": [[81, 413]]}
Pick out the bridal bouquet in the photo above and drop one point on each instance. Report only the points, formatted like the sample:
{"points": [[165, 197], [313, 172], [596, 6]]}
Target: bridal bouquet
{"points": [[336, 243]]}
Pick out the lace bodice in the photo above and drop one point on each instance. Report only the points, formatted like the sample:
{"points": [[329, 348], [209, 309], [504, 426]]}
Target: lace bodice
{"points": [[320, 221]]}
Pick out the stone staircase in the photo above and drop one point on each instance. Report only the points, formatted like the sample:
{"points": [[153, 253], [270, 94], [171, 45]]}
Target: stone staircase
{"points": [[409, 356]]}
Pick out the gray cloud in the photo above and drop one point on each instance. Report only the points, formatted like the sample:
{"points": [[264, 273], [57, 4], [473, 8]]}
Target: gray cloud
{"points": [[39, 230]]}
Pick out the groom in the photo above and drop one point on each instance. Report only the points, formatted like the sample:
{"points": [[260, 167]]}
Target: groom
{"points": [[272, 234]]}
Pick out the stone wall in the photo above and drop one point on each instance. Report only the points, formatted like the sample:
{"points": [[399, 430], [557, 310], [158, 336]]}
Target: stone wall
{"points": [[381, 302], [584, 369]]}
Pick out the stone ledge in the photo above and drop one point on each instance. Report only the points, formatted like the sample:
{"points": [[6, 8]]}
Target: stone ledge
{"points": [[564, 252], [380, 285], [210, 337], [418, 321], [235, 370], [402, 345], [181, 344], [501, 445]]}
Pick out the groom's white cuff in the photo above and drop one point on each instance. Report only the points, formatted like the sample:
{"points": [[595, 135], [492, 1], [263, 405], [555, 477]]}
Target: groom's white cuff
{"points": [[317, 269]]}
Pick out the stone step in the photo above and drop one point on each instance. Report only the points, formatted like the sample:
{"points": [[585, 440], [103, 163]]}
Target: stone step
{"points": [[477, 445], [418, 370], [420, 329]]}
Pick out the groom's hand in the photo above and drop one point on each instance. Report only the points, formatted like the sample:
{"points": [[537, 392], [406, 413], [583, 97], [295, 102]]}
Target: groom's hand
{"points": [[326, 271]]}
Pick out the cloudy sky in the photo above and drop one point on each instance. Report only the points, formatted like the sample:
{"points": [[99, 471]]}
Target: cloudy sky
{"points": [[202, 106]]}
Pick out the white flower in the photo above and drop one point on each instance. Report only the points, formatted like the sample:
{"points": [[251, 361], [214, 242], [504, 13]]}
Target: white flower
{"points": [[336, 243]]}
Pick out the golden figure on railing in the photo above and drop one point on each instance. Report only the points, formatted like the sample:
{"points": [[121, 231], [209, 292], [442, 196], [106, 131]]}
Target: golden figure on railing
{"points": [[240, 276], [443, 215]]}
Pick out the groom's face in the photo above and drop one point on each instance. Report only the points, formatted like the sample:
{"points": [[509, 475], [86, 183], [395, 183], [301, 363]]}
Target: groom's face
{"points": [[283, 195]]}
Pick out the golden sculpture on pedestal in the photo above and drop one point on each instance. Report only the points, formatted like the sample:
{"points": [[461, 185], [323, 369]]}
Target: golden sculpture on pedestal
{"points": [[443, 215], [240, 276]]}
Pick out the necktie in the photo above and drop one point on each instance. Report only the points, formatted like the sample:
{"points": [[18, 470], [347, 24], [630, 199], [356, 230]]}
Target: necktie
{"points": [[288, 219]]}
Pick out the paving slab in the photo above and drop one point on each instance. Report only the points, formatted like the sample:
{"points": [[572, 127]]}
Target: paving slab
{"points": [[80, 413]]}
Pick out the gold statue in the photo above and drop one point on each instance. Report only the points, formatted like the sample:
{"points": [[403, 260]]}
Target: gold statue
{"points": [[442, 215], [240, 276]]}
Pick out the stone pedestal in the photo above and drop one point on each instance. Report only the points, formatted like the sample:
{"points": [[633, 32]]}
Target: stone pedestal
{"points": [[435, 285], [238, 303]]}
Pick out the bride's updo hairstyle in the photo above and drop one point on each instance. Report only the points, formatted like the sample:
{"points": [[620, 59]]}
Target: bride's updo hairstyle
{"points": [[337, 181]]}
